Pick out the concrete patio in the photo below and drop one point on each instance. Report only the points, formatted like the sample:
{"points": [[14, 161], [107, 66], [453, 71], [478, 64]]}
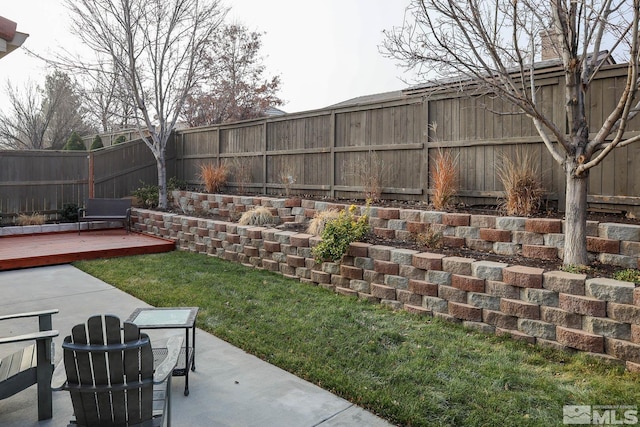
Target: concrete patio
{"points": [[229, 387]]}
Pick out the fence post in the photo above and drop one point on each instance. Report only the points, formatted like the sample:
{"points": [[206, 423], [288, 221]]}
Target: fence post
{"points": [[91, 177]]}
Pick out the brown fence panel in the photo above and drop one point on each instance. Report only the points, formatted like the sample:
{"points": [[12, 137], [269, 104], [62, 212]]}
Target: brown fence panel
{"points": [[41, 182]]}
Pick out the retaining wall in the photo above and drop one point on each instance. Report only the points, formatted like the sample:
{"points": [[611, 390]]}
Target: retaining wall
{"points": [[551, 308]]}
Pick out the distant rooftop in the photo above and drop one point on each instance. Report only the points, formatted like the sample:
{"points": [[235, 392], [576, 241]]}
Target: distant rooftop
{"points": [[10, 39]]}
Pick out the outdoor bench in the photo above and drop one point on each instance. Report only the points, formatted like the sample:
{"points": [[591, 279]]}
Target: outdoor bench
{"points": [[106, 210]]}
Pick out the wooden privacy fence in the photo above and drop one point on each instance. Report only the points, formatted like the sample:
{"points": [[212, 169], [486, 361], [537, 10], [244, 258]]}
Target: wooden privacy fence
{"points": [[333, 152], [339, 151], [44, 181]]}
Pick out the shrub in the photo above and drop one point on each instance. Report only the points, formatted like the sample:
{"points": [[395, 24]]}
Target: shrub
{"points": [[430, 238], [33, 219], [74, 143], [371, 172], [339, 233], [256, 216], [119, 140], [213, 177], [69, 212], [148, 195], [97, 143], [523, 190], [444, 179], [320, 219], [628, 275]]}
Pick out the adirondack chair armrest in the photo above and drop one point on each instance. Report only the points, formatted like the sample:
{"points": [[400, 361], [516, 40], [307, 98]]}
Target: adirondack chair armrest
{"points": [[162, 371], [30, 314], [29, 337]]}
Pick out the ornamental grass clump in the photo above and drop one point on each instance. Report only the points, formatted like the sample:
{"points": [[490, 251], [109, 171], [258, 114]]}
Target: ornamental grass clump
{"points": [[213, 177], [444, 179], [339, 233], [522, 187], [320, 220], [257, 216]]}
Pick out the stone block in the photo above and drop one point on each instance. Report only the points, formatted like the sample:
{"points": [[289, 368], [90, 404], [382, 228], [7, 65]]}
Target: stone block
{"points": [[479, 245], [468, 232], [555, 240], [494, 235], [586, 306], [402, 256], [527, 238], [505, 248], [619, 260], [435, 304], [359, 249], [543, 225], [540, 252], [451, 294], [563, 282], [630, 248], [386, 267], [364, 263], [431, 217], [410, 214], [623, 350], [537, 328], [606, 327], [615, 231], [624, 313], [453, 242], [467, 283], [540, 296], [524, 277], [427, 261], [438, 277], [408, 297], [457, 265], [465, 311], [482, 300], [499, 319], [483, 221], [418, 310], [411, 272], [330, 267], [560, 317], [360, 286], [379, 252], [388, 213], [422, 287], [580, 340], [320, 277], [456, 219], [488, 270], [501, 289], [520, 309], [384, 233], [351, 272], [510, 223], [397, 282], [516, 335], [601, 245], [610, 290], [383, 292]]}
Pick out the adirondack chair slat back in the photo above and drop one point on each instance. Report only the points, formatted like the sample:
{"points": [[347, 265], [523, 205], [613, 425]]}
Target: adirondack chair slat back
{"points": [[109, 370]]}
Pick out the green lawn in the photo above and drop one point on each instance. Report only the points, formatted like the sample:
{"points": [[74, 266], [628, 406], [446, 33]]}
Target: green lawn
{"points": [[411, 370]]}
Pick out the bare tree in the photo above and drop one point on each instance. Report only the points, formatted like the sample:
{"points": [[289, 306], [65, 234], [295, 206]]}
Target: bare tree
{"points": [[156, 48], [492, 46], [42, 118], [235, 87]]}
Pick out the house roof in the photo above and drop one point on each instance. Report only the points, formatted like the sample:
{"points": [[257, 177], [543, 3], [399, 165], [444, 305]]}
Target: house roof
{"points": [[369, 99], [10, 38]]}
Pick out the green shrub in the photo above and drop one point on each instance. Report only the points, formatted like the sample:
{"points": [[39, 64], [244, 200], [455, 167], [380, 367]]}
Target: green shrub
{"points": [[628, 275], [97, 143], [74, 143], [69, 212], [339, 233], [148, 195], [120, 140]]}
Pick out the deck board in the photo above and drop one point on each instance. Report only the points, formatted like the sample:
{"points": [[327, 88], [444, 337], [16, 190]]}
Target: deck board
{"points": [[35, 250]]}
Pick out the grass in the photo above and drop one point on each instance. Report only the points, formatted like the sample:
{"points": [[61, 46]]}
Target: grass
{"points": [[411, 370]]}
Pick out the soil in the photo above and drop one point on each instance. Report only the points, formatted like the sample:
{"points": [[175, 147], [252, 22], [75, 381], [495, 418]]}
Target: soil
{"points": [[595, 269]]}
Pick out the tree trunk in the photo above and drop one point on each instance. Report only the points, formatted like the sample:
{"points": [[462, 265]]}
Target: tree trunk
{"points": [[575, 232], [162, 181]]}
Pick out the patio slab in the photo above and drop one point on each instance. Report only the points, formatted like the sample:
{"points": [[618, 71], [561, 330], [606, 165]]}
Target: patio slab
{"points": [[229, 387]]}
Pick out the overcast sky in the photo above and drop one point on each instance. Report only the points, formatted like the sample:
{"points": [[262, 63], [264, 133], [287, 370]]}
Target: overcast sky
{"points": [[325, 51]]}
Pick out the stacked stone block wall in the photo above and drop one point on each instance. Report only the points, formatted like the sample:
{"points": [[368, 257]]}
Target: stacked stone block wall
{"points": [[600, 316]]}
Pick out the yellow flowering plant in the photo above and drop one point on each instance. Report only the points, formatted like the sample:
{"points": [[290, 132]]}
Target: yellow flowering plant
{"points": [[339, 232]]}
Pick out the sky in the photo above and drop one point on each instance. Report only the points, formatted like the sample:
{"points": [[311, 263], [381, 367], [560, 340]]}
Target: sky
{"points": [[325, 51]]}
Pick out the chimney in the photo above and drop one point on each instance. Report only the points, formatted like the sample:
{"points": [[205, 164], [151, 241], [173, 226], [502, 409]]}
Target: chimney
{"points": [[548, 43]]}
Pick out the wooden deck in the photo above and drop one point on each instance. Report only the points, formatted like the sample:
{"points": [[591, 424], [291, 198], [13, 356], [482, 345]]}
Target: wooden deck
{"points": [[35, 250]]}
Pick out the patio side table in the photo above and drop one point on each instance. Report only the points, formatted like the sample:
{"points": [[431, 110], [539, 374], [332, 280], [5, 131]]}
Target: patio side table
{"points": [[171, 318]]}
